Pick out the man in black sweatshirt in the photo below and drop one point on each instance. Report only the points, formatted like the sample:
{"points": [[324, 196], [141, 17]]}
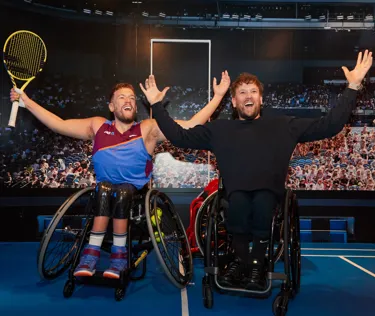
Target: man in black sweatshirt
{"points": [[253, 154]]}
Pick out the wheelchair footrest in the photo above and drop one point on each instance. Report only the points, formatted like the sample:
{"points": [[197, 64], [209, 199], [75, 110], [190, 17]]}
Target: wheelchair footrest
{"points": [[99, 279], [276, 276], [211, 270], [259, 294]]}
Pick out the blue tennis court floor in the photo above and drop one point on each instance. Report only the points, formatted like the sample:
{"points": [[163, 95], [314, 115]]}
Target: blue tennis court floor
{"points": [[337, 279]]}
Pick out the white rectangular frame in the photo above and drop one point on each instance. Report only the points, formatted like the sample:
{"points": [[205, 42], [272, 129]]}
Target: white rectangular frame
{"points": [[192, 41]]}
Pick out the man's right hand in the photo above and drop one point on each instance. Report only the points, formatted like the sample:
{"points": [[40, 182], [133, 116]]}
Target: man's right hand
{"points": [[21, 97]]}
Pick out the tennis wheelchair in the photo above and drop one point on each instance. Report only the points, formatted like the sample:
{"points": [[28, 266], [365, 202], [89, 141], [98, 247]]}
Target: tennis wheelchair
{"points": [[153, 224], [214, 244]]}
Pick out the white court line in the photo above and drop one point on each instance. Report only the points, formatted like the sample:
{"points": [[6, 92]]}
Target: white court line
{"points": [[321, 230], [184, 302], [338, 256], [358, 266], [184, 297], [338, 249]]}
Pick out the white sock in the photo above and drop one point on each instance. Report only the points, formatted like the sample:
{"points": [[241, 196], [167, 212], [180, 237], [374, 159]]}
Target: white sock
{"points": [[96, 238], [119, 239]]}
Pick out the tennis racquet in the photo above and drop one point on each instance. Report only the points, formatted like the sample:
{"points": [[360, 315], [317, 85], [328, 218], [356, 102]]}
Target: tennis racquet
{"points": [[24, 56]]}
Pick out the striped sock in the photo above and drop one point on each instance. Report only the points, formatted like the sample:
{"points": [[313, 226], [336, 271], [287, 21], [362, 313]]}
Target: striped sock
{"points": [[96, 238], [119, 239]]}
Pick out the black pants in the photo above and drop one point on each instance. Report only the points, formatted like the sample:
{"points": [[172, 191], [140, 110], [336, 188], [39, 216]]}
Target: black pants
{"points": [[114, 200], [249, 217], [250, 213]]}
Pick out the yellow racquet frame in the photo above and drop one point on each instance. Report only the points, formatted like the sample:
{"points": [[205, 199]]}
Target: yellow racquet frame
{"points": [[24, 55]]}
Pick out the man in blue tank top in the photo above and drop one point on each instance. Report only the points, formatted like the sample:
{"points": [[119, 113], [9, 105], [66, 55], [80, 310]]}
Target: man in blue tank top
{"points": [[122, 157]]}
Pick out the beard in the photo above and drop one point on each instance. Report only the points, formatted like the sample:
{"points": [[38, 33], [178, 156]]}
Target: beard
{"points": [[126, 120], [244, 116]]}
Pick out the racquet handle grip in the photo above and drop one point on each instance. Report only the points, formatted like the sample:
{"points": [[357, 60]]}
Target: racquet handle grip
{"points": [[19, 91], [13, 114]]}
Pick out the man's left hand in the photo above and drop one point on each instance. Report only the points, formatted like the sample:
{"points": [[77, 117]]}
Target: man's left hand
{"points": [[359, 72], [152, 92]]}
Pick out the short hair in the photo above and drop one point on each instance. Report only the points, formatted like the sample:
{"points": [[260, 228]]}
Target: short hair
{"points": [[246, 78], [119, 86]]}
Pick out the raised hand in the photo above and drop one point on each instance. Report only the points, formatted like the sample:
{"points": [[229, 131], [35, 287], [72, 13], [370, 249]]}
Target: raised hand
{"points": [[222, 88], [362, 67], [152, 92]]}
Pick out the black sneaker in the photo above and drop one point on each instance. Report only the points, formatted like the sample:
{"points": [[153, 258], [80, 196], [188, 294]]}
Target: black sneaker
{"points": [[255, 279], [232, 274]]}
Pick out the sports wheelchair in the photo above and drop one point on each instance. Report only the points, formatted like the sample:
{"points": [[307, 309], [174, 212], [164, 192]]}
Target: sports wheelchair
{"points": [[214, 243], [153, 224]]}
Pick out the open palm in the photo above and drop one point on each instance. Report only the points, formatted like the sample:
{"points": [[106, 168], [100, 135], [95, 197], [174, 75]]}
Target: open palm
{"points": [[222, 88], [362, 67], [151, 91]]}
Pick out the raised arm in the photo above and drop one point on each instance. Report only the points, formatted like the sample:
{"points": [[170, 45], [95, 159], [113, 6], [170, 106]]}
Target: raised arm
{"points": [[78, 128], [204, 114], [306, 130], [151, 90]]}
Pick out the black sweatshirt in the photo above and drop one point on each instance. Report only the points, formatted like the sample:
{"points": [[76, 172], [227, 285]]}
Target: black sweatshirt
{"points": [[255, 154]]}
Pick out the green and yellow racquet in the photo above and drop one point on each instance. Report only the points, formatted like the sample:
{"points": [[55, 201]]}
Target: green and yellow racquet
{"points": [[24, 57]]}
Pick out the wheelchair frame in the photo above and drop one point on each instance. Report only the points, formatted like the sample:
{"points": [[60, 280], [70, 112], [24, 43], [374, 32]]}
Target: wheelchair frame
{"points": [[140, 217], [287, 217]]}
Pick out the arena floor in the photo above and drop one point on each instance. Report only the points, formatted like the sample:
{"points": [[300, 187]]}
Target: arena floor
{"points": [[337, 279]]}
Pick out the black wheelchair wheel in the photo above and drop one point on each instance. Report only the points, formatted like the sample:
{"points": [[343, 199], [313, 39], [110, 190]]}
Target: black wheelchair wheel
{"points": [[279, 251], [201, 221], [295, 244], [68, 288], [61, 239], [207, 293], [119, 294], [280, 305], [169, 238]]}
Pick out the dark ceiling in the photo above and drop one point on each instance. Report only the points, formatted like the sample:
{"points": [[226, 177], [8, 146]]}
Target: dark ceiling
{"points": [[208, 8]]}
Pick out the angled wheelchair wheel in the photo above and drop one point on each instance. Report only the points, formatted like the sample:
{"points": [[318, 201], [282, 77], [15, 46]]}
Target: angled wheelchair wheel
{"points": [[201, 223], [295, 246], [169, 238], [279, 251], [61, 239]]}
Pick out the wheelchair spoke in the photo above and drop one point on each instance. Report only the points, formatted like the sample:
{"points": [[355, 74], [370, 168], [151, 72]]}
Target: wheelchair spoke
{"points": [[63, 254], [64, 233]]}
